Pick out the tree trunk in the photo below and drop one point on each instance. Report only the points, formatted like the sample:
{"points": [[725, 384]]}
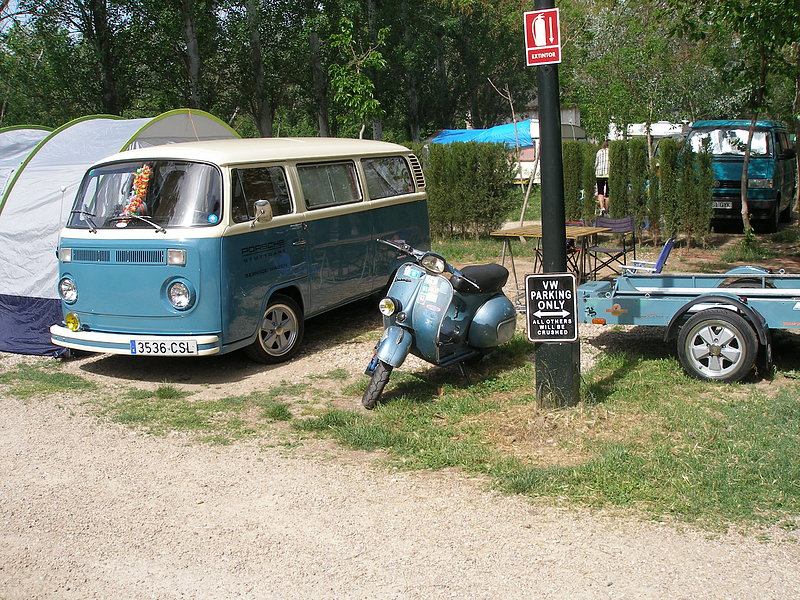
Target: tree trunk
{"points": [[102, 38], [263, 106], [319, 87], [759, 95], [796, 113], [193, 62]]}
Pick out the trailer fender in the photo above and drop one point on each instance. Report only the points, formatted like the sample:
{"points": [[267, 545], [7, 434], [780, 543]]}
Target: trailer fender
{"points": [[753, 316]]}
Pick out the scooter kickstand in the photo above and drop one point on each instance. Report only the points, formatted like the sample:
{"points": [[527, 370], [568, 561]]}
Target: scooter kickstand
{"points": [[465, 373]]}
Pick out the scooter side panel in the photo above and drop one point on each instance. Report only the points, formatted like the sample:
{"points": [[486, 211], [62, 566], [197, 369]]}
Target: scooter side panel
{"points": [[494, 323]]}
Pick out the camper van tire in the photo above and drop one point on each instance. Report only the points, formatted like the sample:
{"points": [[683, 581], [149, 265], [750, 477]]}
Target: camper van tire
{"points": [[717, 344], [280, 331]]}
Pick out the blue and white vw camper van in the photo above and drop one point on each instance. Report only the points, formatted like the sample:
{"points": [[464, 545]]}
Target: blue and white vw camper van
{"points": [[207, 247]]}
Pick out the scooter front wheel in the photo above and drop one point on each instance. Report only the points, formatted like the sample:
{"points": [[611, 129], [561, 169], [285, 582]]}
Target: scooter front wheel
{"points": [[380, 377]]}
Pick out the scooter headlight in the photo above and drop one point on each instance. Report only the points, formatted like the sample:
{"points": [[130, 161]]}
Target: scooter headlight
{"points": [[388, 306], [433, 263]]}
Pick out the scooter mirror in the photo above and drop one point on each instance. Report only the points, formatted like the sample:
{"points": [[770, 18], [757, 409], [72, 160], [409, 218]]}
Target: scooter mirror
{"points": [[433, 263]]}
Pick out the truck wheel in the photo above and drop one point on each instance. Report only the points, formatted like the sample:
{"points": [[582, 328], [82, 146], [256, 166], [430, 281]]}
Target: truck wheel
{"points": [[279, 333], [380, 377], [717, 345], [786, 213], [770, 224]]}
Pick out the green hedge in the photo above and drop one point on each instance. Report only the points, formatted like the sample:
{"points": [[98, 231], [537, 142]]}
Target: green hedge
{"points": [[469, 187]]}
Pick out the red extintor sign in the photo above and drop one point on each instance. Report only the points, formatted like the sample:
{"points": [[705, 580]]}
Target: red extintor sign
{"points": [[542, 37]]}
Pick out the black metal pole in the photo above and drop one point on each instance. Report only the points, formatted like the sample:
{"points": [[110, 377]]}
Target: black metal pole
{"points": [[557, 363]]}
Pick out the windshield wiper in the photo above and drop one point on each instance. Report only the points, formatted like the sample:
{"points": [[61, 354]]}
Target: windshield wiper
{"points": [[86, 215], [158, 227]]}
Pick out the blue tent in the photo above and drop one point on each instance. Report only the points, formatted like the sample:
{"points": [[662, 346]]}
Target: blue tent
{"points": [[510, 134]]}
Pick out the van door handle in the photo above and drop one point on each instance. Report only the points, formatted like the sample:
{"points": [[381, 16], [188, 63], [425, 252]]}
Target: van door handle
{"points": [[299, 243]]}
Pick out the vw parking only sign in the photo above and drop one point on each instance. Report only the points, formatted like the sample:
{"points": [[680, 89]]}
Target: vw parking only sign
{"points": [[551, 306]]}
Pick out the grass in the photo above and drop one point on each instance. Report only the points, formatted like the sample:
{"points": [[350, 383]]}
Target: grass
{"points": [[645, 438], [26, 381], [216, 421], [748, 249]]}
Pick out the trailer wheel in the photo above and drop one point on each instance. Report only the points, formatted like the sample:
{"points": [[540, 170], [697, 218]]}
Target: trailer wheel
{"points": [[717, 345]]}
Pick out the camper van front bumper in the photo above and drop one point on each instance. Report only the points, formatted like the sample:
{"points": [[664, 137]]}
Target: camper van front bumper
{"points": [[135, 345]]}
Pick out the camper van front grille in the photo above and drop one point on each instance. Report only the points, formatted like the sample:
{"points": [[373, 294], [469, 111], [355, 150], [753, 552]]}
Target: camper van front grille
{"points": [[141, 257], [86, 255], [417, 169]]}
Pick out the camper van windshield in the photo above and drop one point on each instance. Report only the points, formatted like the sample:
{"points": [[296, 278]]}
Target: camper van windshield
{"points": [[731, 142], [154, 194]]}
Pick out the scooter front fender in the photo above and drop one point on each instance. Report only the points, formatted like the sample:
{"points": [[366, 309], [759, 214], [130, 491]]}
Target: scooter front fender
{"points": [[394, 346]]}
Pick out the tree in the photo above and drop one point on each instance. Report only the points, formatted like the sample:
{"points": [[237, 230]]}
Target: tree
{"points": [[764, 30], [351, 86]]}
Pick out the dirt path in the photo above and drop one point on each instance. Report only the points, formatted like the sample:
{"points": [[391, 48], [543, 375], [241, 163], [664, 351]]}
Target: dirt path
{"points": [[94, 510]]}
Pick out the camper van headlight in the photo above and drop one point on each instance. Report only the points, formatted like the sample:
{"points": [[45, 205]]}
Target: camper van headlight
{"points": [[759, 183], [433, 263], [176, 257], [68, 290], [179, 295], [65, 254]]}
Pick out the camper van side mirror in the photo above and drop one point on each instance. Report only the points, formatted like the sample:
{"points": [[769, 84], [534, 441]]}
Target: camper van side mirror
{"points": [[788, 153], [263, 212]]}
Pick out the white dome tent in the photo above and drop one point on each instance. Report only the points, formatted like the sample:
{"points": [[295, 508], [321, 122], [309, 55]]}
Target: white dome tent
{"points": [[36, 200], [16, 144]]}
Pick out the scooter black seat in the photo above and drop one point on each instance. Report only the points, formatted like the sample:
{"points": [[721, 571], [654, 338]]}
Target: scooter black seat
{"points": [[490, 278]]}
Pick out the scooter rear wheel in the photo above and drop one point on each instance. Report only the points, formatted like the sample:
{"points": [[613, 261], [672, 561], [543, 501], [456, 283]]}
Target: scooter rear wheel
{"points": [[380, 377]]}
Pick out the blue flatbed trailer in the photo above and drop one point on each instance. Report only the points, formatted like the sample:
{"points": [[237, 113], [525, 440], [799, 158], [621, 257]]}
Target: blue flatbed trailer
{"points": [[722, 321]]}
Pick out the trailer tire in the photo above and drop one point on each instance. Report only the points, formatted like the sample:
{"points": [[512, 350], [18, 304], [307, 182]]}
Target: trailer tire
{"points": [[717, 344]]}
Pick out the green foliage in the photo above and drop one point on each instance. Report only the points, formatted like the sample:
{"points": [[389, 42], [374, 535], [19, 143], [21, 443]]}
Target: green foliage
{"points": [[619, 204], [667, 162], [469, 187], [572, 157], [588, 182], [749, 250], [351, 85], [637, 179]]}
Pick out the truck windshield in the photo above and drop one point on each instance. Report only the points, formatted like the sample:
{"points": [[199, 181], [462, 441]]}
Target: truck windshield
{"points": [[731, 142], [155, 194]]}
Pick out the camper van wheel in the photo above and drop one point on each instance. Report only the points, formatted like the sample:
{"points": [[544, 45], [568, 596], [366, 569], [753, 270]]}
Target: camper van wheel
{"points": [[280, 332], [717, 344]]}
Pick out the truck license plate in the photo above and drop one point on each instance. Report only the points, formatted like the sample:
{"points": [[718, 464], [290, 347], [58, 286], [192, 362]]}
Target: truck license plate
{"points": [[722, 204], [165, 347]]}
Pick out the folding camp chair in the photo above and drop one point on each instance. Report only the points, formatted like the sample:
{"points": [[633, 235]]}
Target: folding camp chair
{"points": [[613, 257], [644, 266]]}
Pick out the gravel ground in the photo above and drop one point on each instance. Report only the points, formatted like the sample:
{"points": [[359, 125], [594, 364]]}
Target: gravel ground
{"points": [[94, 510], [90, 509]]}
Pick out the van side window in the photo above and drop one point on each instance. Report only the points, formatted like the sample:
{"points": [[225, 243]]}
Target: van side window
{"points": [[260, 183], [387, 176], [329, 184]]}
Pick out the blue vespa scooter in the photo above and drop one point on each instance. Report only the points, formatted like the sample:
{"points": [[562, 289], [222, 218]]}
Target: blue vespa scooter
{"points": [[443, 320]]}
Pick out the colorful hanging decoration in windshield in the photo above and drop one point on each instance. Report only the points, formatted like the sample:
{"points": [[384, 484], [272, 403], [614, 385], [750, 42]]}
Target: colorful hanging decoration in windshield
{"points": [[136, 204]]}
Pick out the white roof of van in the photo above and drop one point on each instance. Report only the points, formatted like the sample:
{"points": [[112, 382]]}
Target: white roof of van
{"points": [[238, 151]]}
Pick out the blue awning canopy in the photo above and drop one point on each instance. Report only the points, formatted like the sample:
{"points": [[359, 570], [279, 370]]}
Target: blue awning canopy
{"points": [[512, 135]]}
